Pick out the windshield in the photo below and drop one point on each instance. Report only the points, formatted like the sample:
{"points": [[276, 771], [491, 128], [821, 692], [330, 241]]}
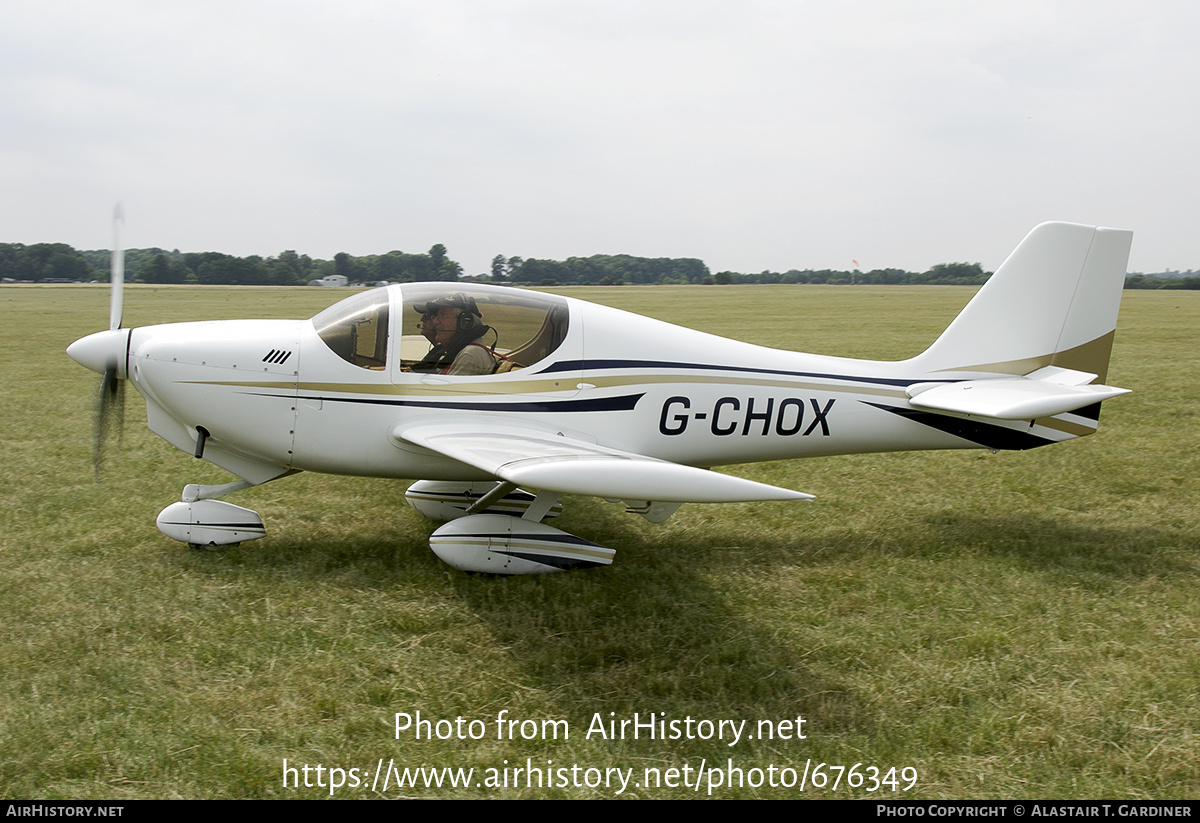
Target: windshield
{"points": [[356, 329]]}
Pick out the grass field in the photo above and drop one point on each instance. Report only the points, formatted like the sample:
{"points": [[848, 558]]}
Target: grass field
{"points": [[1017, 625]]}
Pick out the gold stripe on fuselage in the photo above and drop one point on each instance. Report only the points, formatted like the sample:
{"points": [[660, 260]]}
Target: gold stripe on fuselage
{"points": [[526, 387]]}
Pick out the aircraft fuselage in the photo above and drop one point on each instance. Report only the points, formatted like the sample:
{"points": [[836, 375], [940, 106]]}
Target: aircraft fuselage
{"points": [[273, 396]]}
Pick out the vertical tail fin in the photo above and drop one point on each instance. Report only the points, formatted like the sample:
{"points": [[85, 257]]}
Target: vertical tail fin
{"points": [[1053, 302]]}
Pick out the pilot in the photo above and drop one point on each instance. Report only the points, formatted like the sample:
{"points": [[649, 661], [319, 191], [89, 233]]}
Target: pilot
{"points": [[454, 326]]}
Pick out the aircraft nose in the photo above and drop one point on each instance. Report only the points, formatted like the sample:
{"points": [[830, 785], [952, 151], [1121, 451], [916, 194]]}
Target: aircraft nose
{"points": [[101, 351]]}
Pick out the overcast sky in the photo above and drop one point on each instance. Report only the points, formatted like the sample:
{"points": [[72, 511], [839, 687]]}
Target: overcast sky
{"points": [[753, 135]]}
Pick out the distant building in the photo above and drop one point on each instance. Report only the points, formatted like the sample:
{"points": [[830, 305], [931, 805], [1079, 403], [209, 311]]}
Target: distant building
{"points": [[331, 280]]}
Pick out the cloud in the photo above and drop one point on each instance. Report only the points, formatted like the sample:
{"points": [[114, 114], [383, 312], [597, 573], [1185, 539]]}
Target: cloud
{"points": [[751, 134]]}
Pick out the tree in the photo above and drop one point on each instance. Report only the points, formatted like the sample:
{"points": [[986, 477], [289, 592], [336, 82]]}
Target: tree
{"points": [[300, 264], [437, 255], [276, 273], [194, 260], [441, 266], [161, 269], [956, 274], [344, 265], [44, 261], [400, 267], [230, 271]]}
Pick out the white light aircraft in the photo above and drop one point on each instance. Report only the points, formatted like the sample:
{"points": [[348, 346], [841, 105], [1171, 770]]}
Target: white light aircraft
{"points": [[562, 396]]}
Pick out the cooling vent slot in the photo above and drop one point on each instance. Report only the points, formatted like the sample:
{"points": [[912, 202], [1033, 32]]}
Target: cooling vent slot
{"points": [[277, 357]]}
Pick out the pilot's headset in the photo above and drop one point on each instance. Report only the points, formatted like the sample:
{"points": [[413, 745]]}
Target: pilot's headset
{"points": [[467, 308]]}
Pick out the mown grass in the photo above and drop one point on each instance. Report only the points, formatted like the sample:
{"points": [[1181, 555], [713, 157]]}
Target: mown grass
{"points": [[1011, 625]]}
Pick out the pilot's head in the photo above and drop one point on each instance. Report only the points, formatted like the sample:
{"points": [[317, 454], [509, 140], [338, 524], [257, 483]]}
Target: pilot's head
{"points": [[443, 319]]}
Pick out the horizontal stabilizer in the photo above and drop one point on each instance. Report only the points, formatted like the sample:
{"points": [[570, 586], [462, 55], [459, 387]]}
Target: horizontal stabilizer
{"points": [[1044, 393], [536, 459]]}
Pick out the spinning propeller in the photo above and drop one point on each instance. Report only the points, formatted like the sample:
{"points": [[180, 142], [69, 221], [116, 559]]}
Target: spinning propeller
{"points": [[105, 352]]}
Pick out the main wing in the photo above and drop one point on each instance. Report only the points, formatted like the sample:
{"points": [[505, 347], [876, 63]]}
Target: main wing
{"points": [[541, 459]]}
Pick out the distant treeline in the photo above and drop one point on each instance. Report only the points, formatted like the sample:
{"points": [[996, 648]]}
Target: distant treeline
{"points": [[620, 269], [58, 262], [1163, 280]]}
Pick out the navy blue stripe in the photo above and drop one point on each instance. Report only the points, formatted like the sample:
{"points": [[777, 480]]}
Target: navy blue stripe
{"points": [[602, 404], [564, 563], [545, 538], [589, 366], [985, 434], [513, 496]]}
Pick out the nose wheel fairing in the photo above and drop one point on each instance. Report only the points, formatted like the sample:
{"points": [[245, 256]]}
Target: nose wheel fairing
{"points": [[206, 523]]}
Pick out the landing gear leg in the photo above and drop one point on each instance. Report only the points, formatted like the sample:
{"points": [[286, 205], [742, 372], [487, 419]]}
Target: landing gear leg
{"points": [[541, 506], [447, 500]]}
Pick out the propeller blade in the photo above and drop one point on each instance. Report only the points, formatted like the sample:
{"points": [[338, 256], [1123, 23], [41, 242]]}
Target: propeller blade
{"points": [[103, 351], [110, 415], [117, 297]]}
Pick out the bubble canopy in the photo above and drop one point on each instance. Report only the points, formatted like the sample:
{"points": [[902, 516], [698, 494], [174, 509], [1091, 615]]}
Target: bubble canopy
{"points": [[520, 327]]}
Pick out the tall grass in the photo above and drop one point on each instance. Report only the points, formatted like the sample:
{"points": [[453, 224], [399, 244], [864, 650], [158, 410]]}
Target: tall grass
{"points": [[1010, 625]]}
